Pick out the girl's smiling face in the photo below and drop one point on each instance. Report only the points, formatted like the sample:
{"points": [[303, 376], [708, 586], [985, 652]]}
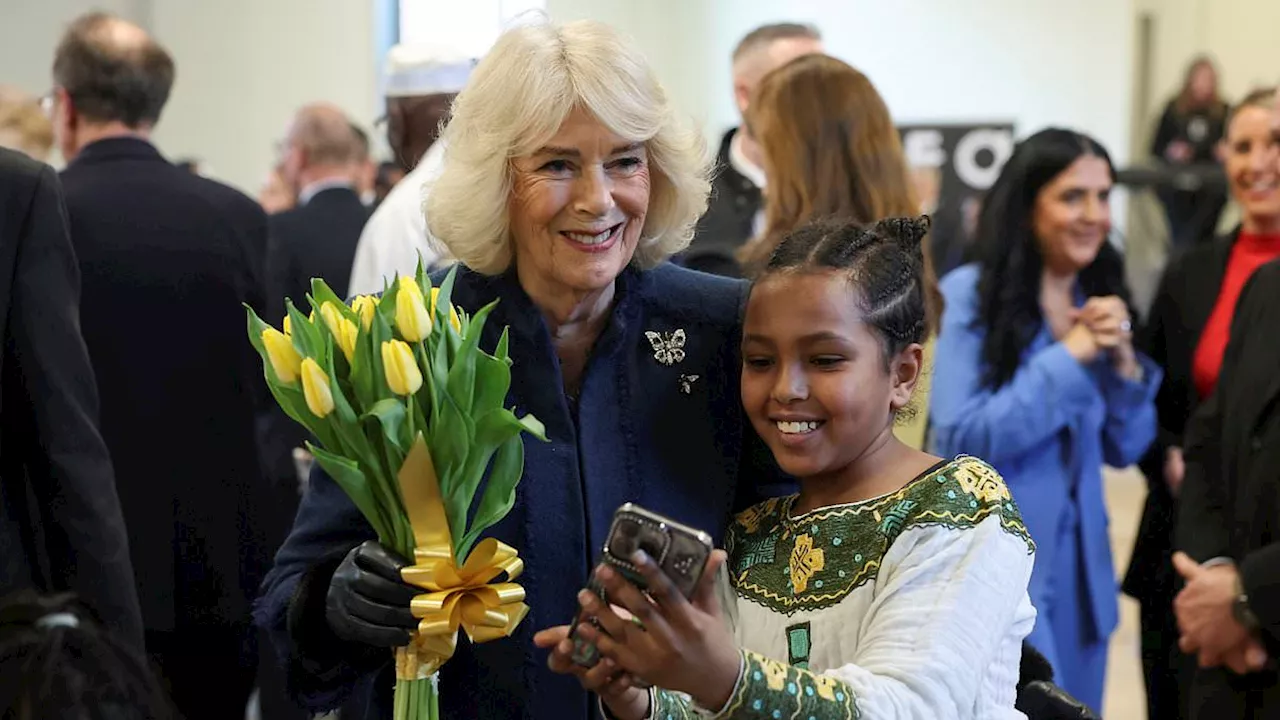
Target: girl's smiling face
{"points": [[815, 381]]}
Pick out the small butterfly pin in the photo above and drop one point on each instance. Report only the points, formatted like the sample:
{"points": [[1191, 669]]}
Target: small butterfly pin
{"points": [[686, 383], [668, 348]]}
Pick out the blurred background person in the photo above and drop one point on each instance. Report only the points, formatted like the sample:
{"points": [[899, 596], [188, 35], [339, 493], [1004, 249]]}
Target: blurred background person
{"points": [[161, 248], [275, 195], [1038, 375], [24, 125], [829, 150], [1187, 135], [364, 171], [389, 175], [1229, 610], [59, 660], [191, 165], [1186, 334], [316, 238], [61, 527], [421, 85], [736, 210]]}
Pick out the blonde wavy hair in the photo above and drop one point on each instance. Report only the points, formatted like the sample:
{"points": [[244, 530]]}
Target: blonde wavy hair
{"points": [[514, 103]]}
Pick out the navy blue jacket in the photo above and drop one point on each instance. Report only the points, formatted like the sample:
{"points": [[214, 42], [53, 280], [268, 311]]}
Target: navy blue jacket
{"points": [[671, 437]]}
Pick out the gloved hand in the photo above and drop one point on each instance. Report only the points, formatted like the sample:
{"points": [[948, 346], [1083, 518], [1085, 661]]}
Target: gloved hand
{"points": [[367, 601]]}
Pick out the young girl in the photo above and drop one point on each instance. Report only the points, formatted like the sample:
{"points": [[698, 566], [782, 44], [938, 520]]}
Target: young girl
{"points": [[894, 585]]}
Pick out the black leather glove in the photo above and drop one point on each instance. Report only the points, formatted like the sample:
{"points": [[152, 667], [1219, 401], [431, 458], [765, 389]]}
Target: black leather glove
{"points": [[367, 601], [1042, 700]]}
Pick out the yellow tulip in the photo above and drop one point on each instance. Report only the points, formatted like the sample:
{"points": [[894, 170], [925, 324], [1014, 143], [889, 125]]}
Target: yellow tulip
{"points": [[412, 318], [454, 320], [315, 389], [365, 306], [403, 375], [284, 358], [344, 331]]}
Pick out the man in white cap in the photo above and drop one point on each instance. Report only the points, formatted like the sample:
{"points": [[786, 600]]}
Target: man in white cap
{"points": [[421, 85]]}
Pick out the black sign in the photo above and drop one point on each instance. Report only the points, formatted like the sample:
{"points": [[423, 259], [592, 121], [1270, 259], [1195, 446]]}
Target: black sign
{"points": [[953, 166]]}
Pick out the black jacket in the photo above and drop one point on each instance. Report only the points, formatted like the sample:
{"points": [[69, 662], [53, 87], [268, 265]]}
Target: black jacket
{"points": [[60, 521], [1185, 299], [167, 259], [728, 223], [317, 239], [1230, 503]]}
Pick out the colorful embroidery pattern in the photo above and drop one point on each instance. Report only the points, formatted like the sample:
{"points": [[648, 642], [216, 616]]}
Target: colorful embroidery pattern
{"points": [[771, 690], [814, 561], [666, 705], [799, 644], [805, 561]]}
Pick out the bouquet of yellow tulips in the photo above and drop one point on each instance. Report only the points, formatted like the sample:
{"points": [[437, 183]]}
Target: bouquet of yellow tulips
{"points": [[409, 415]]}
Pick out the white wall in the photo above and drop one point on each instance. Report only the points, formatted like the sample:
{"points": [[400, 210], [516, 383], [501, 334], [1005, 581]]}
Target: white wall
{"points": [[30, 29], [1033, 63], [244, 67], [1243, 36]]}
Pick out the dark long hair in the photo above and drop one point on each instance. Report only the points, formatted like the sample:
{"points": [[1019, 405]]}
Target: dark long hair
{"points": [[58, 661], [1009, 254]]}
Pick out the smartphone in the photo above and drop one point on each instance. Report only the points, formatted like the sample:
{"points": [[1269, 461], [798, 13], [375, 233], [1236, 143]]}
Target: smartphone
{"points": [[679, 550]]}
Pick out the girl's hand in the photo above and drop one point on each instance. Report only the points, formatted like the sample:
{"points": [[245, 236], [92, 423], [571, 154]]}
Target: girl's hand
{"points": [[614, 687], [680, 645]]}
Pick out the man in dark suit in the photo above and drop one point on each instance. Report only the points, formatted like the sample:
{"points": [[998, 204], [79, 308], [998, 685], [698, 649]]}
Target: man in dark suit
{"points": [[60, 522], [167, 258], [315, 239], [318, 237], [736, 210]]}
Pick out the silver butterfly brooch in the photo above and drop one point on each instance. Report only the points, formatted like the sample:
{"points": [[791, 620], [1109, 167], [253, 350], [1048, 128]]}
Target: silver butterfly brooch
{"points": [[668, 347]]}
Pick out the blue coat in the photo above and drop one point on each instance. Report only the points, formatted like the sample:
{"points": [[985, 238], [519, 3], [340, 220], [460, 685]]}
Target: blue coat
{"points": [[644, 431], [1048, 431]]}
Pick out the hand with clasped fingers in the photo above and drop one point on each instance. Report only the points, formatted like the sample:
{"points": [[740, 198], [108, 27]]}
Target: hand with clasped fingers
{"points": [[1206, 620]]}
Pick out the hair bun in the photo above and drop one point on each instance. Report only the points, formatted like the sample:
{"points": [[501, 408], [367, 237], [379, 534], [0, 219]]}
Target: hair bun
{"points": [[907, 230]]}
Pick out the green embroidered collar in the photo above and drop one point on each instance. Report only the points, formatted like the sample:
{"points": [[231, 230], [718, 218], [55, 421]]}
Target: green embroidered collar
{"points": [[828, 552]]}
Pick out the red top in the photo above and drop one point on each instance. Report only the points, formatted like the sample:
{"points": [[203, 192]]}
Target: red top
{"points": [[1249, 253]]}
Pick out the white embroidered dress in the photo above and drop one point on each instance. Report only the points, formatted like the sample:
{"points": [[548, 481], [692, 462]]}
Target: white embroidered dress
{"points": [[910, 605]]}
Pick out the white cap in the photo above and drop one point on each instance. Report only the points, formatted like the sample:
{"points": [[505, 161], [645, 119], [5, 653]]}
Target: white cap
{"points": [[416, 70]]}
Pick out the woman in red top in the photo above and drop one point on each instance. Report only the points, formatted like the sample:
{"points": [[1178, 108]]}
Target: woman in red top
{"points": [[1187, 333]]}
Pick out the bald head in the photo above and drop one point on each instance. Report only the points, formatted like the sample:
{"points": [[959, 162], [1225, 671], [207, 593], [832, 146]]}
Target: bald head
{"points": [[767, 48], [323, 133], [113, 71]]}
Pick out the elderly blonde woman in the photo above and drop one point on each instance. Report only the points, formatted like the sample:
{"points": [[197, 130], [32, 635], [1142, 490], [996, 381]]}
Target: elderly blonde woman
{"points": [[567, 183]]}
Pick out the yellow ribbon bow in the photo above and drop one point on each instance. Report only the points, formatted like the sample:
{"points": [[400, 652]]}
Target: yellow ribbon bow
{"points": [[465, 597]]}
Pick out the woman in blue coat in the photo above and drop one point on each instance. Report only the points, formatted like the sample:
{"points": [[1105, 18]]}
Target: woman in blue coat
{"points": [[567, 183], [1037, 374]]}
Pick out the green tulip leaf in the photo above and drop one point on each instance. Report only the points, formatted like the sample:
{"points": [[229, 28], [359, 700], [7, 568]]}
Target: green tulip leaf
{"points": [[321, 293], [390, 414], [363, 365], [499, 492], [347, 474], [501, 352], [492, 381], [462, 374], [307, 338]]}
